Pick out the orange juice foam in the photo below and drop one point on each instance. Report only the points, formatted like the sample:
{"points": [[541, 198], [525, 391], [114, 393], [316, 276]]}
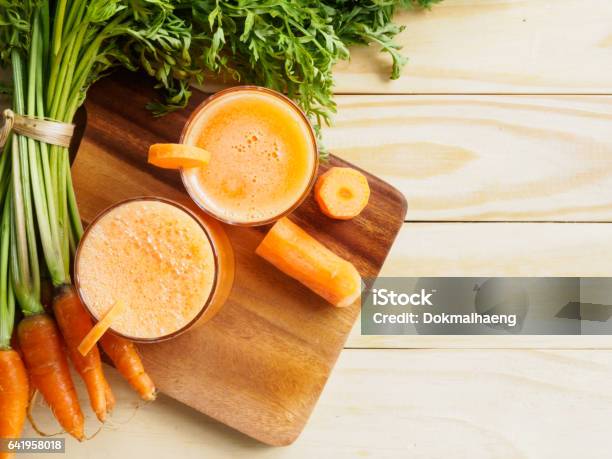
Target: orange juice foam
{"points": [[153, 256], [263, 156]]}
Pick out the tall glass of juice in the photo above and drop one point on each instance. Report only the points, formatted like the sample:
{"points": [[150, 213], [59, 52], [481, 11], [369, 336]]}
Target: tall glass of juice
{"points": [[168, 266], [264, 156]]}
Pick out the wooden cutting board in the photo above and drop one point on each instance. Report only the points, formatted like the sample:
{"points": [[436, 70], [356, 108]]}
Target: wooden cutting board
{"points": [[261, 363]]}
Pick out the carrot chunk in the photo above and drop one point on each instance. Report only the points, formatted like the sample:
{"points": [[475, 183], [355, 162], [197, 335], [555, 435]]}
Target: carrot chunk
{"points": [[342, 193], [299, 255], [177, 156]]}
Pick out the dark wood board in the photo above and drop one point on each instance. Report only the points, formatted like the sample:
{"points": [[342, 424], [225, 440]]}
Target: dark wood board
{"points": [[261, 363]]}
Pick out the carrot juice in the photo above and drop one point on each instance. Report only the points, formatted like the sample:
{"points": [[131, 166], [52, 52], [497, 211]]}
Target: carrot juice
{"points": [[168, 266], [263, 156]]}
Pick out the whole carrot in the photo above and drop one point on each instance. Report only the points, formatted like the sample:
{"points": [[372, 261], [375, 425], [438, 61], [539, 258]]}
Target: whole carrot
{"points": [[74, 323], [47, 365], [14, 394], [124, 355]]}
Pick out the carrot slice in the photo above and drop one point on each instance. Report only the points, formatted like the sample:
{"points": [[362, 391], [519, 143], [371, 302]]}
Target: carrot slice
{"points": [[342, 193], [299, 255], [177, 156], [100, 328]]}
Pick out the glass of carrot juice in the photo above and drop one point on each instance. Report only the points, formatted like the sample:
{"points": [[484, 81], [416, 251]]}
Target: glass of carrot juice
{"points": [[170, 267], [264, 156]]}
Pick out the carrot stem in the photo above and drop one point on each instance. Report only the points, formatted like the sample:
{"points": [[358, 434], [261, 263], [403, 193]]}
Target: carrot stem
{"points": [[24, 257], [7, 301]]}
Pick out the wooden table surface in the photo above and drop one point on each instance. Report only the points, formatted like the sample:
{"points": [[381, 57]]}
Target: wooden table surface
{"points": [[500, 136]]}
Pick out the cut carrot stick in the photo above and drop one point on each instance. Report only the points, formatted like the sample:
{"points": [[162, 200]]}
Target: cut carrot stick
{"points": [[47, 366], [342, 193], [75, 323], [124, 355], [98, 330], [14, 396], [177, 156], [299, 255]]}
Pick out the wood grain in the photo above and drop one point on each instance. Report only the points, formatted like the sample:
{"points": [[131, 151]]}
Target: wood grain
{"points": [[502, 249], [262, 362], [423, 404], [494, 46], [484, 158]]}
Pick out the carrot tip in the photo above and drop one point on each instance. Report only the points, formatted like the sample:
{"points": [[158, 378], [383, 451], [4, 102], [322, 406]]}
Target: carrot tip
{"points": [[149, 397]]}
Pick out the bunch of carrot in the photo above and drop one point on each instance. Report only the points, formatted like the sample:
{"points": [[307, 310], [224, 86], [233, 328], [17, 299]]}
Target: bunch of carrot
{"points": [[39, 211]]}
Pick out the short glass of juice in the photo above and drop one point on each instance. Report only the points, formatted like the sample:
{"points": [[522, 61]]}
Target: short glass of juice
{"points": [[264, 156], [171, 268]]}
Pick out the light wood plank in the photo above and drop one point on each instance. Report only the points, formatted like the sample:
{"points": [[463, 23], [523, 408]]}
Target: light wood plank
{"points": [[494, 46], [494, 158], [502, 249], [496, 249], [389, 404]]}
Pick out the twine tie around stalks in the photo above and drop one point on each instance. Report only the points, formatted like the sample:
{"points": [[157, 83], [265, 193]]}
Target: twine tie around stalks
{"points": [[45, 130]]}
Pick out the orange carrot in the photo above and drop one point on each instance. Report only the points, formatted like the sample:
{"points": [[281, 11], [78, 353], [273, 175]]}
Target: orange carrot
{"points": [[124, 355], [75, 323], [299, 255], [342, 193], [177, 156], [47, 366], [14, 396]]}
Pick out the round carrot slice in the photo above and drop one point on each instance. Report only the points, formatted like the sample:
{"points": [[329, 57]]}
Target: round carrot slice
{"points": [[177, 156], [342, 193]]}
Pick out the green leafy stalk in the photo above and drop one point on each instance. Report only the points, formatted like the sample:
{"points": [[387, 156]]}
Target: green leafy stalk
{"points": [[7, 300], [23, 243]]}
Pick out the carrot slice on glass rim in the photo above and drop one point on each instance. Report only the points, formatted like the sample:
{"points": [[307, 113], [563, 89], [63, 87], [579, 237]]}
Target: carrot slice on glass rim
{"points": [[177, 156]]}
